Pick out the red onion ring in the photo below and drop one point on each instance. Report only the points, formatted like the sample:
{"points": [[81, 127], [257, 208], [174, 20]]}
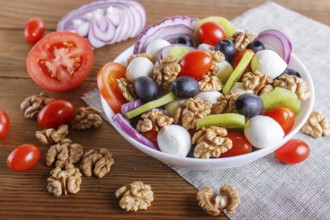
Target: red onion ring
{"points": [[105, 22], [277, 41], [168, 29]]}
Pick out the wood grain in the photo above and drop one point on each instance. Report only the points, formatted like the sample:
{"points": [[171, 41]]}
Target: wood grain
{"points": [[24, 194]]}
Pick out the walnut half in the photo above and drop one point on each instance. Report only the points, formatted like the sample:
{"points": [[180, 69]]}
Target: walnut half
{"points": [[64, 181], [153, 120], [51, 136], [86, 117], [135, 196], [32, 105], [98, 162], [228, 199], [316, 125]]}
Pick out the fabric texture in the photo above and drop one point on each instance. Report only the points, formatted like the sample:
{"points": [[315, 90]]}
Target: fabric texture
{"points": [[267, 188]]}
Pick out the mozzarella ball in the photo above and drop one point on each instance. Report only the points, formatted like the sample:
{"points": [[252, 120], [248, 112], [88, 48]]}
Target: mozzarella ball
{"points": [[263, 131], [139, 66], [172, 106], [269, 63], [238, 88], [175, 140], [204, 46], [225, 69], [211, 96], [155, 46]]}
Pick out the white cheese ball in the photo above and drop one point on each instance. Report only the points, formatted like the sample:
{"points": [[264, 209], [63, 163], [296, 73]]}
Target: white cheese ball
{"points": [[225, 69], [204, 46], [175, 140], [211, 96], [139, 66], [155, 46], [263, 131], [238, 88], [172, 106], [269, 63]]}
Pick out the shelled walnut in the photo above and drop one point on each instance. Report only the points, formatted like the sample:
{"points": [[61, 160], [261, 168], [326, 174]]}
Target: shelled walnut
{"points": [[135, 196], [218, 57], [86, 117], [32, 105], [166, 72], [98, 162], [256, 81], [153, 120], [211, 142], [242, 39], [294, 84], [51, 136], [316, 125], [64, 181], [228, 199], [225, 104], [191, 110], [126, 88], [210, 83], [64, 153]]}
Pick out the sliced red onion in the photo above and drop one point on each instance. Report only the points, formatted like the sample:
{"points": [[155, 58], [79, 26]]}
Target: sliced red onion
{"points": [[277, 41], [131, 105], [105, 22], [164, 52], [168, 29], [127, 128]]}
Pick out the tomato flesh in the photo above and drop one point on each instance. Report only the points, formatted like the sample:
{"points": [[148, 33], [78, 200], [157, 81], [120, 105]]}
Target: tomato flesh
{"points": [[240, 145], [23, 157], [195, 63], [151, 135], [4, 124], [55, 114], [292, 152], [34, 30], [211, 33], [106, 81], [60, 61], [284, 116]]}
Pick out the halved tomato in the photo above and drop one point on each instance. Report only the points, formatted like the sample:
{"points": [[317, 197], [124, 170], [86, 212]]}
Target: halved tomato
{"points": [[106, 81], [60, 61]]}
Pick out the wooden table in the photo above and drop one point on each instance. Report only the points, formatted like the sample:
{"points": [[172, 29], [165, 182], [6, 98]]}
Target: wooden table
{"points": [[24, 194]]}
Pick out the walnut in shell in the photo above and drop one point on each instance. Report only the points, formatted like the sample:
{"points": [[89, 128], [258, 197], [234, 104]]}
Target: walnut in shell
{"points": [[228, 199], [98, 162], [64, 181], [135, 196], [64, 153]]}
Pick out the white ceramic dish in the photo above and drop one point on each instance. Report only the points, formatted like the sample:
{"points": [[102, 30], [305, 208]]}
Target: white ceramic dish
{"points": [[220, 163]]}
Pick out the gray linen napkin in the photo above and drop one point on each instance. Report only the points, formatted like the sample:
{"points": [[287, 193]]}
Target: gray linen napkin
{"points": [[269, 189]]}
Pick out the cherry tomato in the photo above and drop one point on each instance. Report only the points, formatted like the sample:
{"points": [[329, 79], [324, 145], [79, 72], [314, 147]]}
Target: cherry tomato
{"points": [[211, 33], [60, 61], [151, 135], [4, 124], [240, 145], [106, 81], [195, 63], [294, 151], [284, 116], [34, 30], [23, 157], [55, 114]]}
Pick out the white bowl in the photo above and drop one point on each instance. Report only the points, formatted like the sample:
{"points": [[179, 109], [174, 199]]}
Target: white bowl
{"points": [[228, 162]]}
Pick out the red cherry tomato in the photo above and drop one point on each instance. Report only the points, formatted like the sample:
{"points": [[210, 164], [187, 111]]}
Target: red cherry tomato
{"points": [[284, 116], [211, 33], [60, 61], [4, 124], [23, 157], [55, 114], [34, 30], [294, 151], [106, 81], [240, 145], [195, 63], [151, 135]]}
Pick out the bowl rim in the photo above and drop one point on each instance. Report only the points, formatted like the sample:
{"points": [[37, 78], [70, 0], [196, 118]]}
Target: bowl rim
{"points": [[238, 160]]}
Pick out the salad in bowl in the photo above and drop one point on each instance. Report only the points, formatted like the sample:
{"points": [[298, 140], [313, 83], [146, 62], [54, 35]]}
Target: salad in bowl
{"points": [[199, 94]]}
